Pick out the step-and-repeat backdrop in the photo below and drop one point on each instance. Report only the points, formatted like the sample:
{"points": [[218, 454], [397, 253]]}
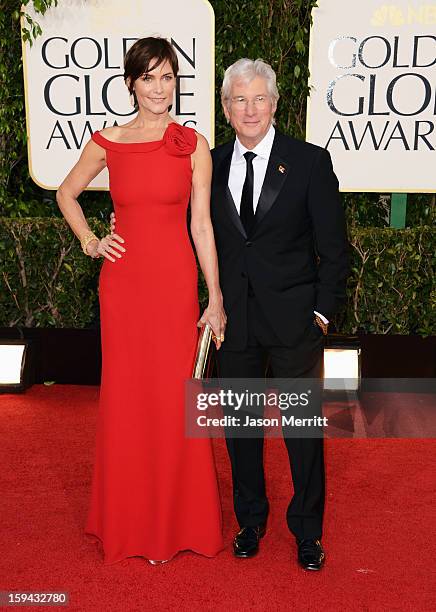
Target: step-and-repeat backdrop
{"points": [[373, 96], [74, 82], [372, 77]]}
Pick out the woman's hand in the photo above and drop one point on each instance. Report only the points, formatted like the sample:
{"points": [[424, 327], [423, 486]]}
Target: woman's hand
{"points": [[215, 316], [106, 247], [113, 221]]}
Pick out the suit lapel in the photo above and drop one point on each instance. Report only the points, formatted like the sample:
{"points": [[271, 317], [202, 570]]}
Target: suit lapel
{"points": [[278, 169], [222, 180], [277, 172]]}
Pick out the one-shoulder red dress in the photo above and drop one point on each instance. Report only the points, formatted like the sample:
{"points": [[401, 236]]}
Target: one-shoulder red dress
{"points": [[154, 490]]}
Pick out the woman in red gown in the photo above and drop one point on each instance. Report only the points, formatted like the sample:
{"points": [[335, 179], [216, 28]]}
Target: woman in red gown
{"points": [[154, 491]]}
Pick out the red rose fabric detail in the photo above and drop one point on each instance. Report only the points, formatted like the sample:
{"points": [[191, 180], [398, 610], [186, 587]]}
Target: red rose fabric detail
{"points": [[180, 140]]}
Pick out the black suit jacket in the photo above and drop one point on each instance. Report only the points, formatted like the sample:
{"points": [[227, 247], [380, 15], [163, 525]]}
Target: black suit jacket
{"points": [[296, 256]]}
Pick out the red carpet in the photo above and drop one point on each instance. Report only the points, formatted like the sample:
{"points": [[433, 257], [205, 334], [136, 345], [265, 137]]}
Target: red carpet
{"points": [[379, 527]]}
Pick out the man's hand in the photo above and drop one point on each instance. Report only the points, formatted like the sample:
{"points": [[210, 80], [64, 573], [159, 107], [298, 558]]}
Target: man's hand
{"points": [[321, 324]]}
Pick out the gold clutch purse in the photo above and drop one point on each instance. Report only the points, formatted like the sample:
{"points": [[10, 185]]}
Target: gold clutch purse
{"points": [[201, 357]]}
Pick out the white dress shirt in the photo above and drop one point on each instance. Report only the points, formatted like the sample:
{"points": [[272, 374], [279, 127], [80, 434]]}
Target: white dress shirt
{"points": [[238, 167], [238, 171]]}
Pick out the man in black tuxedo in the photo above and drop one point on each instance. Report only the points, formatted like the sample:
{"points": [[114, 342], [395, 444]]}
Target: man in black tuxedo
{"points": [[283, 259]]}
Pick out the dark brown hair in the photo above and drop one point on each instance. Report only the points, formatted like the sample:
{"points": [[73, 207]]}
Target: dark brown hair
{"points": [[138, 58]]}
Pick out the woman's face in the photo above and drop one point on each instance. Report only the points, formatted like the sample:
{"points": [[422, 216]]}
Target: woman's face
{"points": [[155, 89]]}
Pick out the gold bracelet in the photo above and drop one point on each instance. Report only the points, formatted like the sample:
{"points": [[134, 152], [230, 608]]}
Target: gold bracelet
{"points": [[87, 238], [324, 326]]}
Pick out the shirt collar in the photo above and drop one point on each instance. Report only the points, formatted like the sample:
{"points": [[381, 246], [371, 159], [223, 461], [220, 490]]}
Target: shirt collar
{"points": [[262, 149]]}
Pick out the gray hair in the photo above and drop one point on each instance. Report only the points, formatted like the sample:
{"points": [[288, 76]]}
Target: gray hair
{"points": [[247, 70]]}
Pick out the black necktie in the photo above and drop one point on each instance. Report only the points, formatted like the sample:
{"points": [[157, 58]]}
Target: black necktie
{"points": [[247, 210]]}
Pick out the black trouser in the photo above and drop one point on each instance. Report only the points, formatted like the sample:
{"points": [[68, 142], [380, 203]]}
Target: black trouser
{"points": [[305, 511]]}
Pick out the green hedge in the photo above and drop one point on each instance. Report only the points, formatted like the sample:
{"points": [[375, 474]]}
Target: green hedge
{"points": [[47, 281]]}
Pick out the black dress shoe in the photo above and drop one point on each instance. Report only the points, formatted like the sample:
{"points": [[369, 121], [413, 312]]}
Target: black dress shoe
{"points": [[310, 554], [246, 542]]}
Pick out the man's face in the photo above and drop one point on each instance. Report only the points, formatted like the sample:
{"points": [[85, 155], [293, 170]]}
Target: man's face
{"points": [[250, 110]]}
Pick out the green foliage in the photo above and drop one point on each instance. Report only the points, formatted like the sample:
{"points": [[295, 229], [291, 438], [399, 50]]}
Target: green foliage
{"points": [[12, 116], [45, 278], [19, 196], [276, 31], [47, 281], [391, 288], [421, 209], [41, 7]]}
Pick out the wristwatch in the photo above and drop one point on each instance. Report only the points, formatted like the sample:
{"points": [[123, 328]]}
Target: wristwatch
{"points": [[322, 325]]}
